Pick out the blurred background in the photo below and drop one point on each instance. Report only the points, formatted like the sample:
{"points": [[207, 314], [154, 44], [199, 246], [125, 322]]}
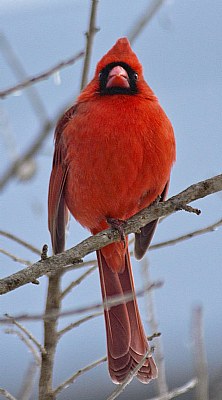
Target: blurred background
{"points": [[181, 53]]}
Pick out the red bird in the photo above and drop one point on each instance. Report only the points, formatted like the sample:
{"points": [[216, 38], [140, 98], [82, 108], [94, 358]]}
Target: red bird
{"points": [[114, 150]]}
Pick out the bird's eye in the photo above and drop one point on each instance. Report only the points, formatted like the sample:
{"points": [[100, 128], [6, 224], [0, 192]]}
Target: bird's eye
{"points": [[100, 74], [135, 75]]}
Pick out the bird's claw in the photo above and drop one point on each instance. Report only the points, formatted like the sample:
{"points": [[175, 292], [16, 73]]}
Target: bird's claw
{"points": [[118, 224]]}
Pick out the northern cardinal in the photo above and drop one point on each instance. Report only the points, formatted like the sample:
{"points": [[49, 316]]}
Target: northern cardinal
{"points": [[114, 149]]}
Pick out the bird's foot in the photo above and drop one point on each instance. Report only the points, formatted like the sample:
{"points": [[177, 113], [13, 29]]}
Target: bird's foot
{"points": [[118, 224]]}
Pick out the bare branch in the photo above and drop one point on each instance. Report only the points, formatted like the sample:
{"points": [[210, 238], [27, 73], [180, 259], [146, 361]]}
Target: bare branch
{"points": [[80, 264], [8, 135], [26, 332], [200, 359], [145, 19], [89, 42], [78, 323], [28, 382], [15, 258], [20, 72], [190, 209], [178, 391], [20, 241], [77, 281], [6, 394], [81, 371], [216, 385], [44, 75], [32, 150], [159, 355], [53, 305], [34, 147], [26, 342], [75, 254], [130, 376], [113, 301], [190, 235]]}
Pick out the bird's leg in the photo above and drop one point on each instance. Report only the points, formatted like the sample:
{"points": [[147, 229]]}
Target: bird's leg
{"points": [[118, 224]]}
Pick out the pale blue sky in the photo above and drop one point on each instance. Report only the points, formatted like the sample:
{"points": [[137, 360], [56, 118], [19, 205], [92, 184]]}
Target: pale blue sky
{"points": [[181, 54]]}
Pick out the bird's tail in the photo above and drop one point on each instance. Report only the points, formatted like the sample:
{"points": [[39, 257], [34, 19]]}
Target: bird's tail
{"points": [[126, 339]]}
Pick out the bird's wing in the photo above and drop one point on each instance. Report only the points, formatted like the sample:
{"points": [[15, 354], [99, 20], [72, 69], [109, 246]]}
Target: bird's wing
{"points": [[143, 239], [57, 210]]}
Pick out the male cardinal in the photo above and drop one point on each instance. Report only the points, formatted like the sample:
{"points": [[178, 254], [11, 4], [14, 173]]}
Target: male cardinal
{"points": [[114, 149]]}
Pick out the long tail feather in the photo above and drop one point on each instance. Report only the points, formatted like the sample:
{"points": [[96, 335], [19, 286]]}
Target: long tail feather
{"points": [[126, 339]]}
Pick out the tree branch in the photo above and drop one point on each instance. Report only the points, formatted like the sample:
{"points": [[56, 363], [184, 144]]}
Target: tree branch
{"points": [[178, 391], [89, 42], [53, 304], [75, 254], [32, 150], [6, 394], [44, 75], [26, 390], [113, 301], [80, 372], [200, 358], [78, 281], [190, 235], [27, 342], [34, 147], [145, 19], [17, 66], [15, 258], [78, 323], [20, 241], [26, 332]]}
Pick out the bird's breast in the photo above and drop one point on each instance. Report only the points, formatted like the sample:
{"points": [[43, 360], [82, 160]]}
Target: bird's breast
{"points": [[117, 161]]}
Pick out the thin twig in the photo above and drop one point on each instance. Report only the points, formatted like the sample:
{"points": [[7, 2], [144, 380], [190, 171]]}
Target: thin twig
{"points": [[190, 235], [89, 42], [200, 359], [210, 228], [20, 241], [80, 372], [74, 255], [33, 148], [28, 154], [80, 264], [216, 385], [190, 209], [12, 320], [6, 394], [28, 382], [20, 72], [144, 19], [26, 342], [178, 391], [15, 258], [78, 323], [8, 134], [159, 354], [43, 75], [77, 281], [130, 376], [113, 301]]}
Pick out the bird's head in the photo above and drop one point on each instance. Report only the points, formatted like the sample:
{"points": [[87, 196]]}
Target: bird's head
{"points": [[119, 71]]}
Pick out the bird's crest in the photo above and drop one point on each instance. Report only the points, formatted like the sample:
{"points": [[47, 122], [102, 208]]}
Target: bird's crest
{"points": [[121, 51]]}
